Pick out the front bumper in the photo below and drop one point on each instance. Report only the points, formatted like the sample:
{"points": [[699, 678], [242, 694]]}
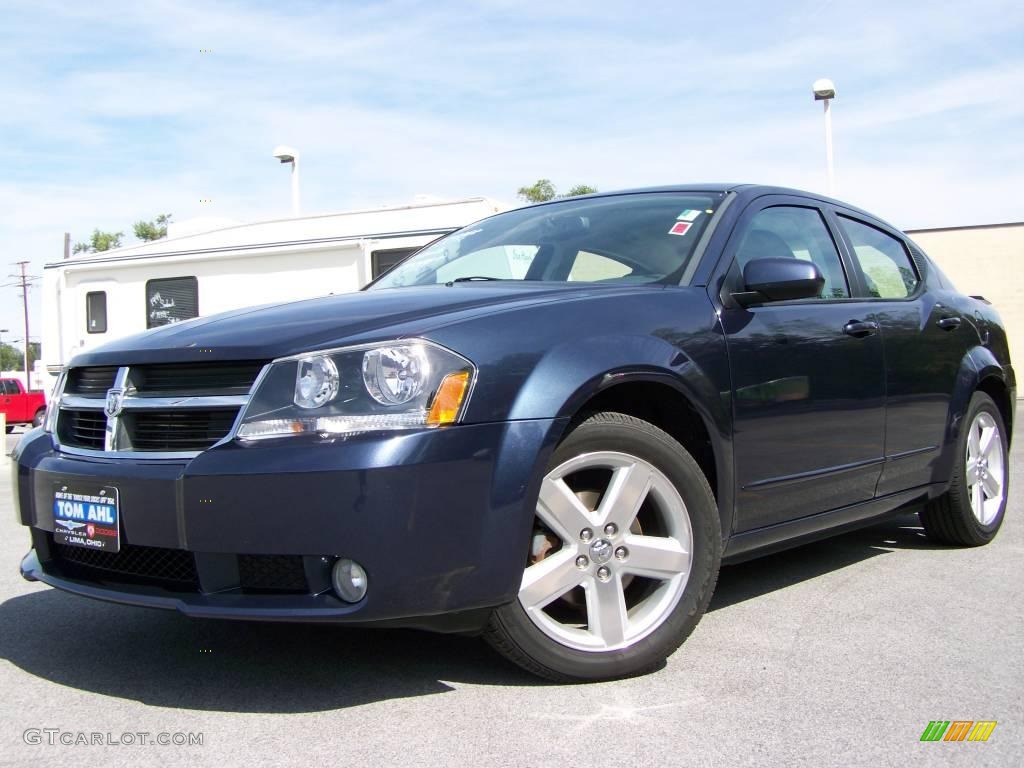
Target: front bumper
{"points": [[440, 520]]}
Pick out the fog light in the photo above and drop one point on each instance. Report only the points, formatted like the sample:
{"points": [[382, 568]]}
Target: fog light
{"points": [[349, 580]]}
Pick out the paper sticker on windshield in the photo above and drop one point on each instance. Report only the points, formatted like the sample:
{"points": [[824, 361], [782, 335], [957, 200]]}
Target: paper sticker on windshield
{"points": [[688, 215], [680, 228]]}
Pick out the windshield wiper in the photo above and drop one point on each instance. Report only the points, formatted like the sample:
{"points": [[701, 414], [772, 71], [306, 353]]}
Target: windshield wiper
{"points": [[471, 278]]}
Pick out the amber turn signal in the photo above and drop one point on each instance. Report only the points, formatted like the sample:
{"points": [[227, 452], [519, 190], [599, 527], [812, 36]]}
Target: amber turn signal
{"points": [[448, 400]]}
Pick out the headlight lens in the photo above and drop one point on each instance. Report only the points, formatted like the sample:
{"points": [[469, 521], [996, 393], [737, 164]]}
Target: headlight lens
{"points": [[400, 385], [316, 381], [394, 375]]}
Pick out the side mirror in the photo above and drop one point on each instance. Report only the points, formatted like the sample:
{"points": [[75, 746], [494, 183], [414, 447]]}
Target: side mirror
{"points": [[779, 280]]}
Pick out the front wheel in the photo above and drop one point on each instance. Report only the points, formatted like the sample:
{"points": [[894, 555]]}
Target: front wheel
{"points": [[970, 513], [624, 556]]}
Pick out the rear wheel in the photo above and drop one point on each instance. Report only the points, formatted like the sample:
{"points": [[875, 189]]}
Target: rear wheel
{"points": [[9, 429], [624, 557], [37, 420], [971, 511]]}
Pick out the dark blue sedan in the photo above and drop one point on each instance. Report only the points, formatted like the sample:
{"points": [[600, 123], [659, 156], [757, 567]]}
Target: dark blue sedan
{"points": [[550, 427]]}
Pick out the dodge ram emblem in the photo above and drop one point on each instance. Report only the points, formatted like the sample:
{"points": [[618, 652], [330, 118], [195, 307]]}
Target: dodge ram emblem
{"points": [[115, 401]]}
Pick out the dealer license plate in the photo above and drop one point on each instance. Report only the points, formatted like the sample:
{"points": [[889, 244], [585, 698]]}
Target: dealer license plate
{"points": [[86, 516]]}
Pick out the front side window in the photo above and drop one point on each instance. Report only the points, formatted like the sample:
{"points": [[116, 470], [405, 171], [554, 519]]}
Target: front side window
{"points": [[638, 238], [884, 262], [171, 300], [96, 312], [791, 232], [9, 387]]}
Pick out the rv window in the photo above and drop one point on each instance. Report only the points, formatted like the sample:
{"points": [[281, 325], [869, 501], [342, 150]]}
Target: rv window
{"points": [[96, 312], [171, 300], [382, 261]]}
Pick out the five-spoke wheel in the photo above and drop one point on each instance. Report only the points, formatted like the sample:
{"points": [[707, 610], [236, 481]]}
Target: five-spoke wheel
{"points": [[624, 553], [971, 511]]}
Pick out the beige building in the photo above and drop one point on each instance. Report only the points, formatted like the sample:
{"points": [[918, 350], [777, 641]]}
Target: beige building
{"points": [[986, 260]]}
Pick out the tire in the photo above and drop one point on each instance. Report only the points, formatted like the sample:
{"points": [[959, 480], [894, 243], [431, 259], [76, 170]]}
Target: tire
{"points": [[662, 562], [37, 420], [9, 429], [956, 517]]}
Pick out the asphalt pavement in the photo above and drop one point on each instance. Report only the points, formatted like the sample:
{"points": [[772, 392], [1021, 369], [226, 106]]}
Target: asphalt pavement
{"points": [[836, 653]]}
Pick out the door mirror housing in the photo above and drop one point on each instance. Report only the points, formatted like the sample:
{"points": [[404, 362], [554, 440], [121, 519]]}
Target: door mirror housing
{"points": [[767, 280]]}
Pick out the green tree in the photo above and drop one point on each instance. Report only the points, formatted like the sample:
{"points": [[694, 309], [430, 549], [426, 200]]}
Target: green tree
{"points": [[543, 190], [11, 358], [540, 192], [152, 230], [99, 241], [580, 189]]}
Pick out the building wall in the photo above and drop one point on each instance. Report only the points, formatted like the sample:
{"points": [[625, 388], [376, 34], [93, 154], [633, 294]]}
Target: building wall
{"points": [[986, 261]]}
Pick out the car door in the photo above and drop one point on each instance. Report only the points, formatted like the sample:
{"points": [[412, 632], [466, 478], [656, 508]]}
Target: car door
{"points": [[925, 341], [808, 383], [7, 404]]}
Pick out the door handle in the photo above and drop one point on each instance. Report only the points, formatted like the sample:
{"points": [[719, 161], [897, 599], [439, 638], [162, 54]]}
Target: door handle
{"points": [[860, 328], [949, 323]]}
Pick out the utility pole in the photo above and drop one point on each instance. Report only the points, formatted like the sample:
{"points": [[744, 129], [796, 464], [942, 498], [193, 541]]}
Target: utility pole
{"points": [[24, 281]]}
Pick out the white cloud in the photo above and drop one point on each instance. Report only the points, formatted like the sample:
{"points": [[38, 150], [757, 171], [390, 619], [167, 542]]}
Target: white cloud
{"points": [[112, 113]]}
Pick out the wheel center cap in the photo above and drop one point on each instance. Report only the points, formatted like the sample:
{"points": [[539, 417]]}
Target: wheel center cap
{"points": [[601, 551]]}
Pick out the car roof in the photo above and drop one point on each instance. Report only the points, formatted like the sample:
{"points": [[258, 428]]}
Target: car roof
{"points": [[748, 191]]}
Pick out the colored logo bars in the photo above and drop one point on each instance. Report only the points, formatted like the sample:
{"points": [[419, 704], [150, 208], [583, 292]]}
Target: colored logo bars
{"points": [[958, 730]]}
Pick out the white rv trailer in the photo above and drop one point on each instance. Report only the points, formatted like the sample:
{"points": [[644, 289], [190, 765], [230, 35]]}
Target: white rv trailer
{"points": [[94, 298]]}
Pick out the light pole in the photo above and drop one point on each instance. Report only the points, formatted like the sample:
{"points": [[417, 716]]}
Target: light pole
{"points": [[290, 155], [825, 90]]}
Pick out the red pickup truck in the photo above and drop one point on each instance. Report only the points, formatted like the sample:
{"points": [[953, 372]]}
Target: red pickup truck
{"points": [[19, 406]]}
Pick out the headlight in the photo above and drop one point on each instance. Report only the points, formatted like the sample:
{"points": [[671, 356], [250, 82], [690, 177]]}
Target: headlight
{"points": [[400, 385]]}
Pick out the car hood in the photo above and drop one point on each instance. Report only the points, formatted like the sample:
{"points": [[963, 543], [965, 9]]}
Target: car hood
{"points": [[266, 332]]}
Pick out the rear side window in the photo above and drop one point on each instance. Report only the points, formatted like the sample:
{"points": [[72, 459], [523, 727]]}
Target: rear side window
{"points": [[171, 300], [96, 312], [792, 232], [883, 259]]}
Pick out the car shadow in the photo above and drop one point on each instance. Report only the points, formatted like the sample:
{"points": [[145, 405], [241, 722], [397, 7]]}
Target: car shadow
{"points": [[164, 659], [753, 578]]}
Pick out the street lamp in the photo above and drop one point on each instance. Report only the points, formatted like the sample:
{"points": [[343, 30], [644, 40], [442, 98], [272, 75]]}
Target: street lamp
{"points": [[825, 90], [290, 155]]}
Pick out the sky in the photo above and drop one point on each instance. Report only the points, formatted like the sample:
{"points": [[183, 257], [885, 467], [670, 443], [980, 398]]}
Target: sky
{"points": [[111, 112]]}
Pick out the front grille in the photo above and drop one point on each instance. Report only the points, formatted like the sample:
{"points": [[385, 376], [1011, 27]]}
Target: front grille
{"points": [[194, 379], [91, 382], [177, 430], [169, 408], [274, 573], [171, 568], [83, 429]]}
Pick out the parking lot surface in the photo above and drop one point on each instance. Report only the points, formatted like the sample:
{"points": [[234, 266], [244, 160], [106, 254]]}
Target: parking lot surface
{"points": [[835, 653]]}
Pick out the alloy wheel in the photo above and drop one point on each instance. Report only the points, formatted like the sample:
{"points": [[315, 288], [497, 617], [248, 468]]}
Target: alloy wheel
{"points": [[612, 552], [985, 468]]}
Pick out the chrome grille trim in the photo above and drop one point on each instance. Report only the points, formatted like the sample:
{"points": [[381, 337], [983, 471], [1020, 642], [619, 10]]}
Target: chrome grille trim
{"points": [[114, 435]]}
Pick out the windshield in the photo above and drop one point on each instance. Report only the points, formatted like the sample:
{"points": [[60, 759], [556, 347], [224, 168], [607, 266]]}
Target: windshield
{"points": [[634, 238]]}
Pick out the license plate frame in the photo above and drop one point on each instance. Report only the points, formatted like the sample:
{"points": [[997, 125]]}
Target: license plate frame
{"points": [[87, 515]]}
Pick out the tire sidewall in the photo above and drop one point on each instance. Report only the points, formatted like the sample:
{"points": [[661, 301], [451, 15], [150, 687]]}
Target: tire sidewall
{"points": [[650, 444]]}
